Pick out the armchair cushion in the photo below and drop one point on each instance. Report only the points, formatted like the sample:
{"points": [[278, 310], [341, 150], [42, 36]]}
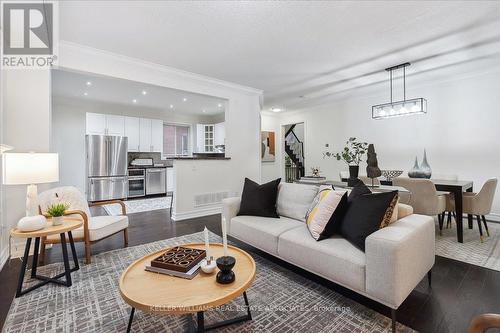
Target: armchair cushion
{"points": [[101, 227]]}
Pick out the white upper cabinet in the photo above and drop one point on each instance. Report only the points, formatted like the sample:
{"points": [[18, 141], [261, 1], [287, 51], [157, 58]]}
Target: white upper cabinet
{"points": [[145, 135], [156, 135], [105, 124], [115, 125], [219, 134], [96, 123], [132, 132]]}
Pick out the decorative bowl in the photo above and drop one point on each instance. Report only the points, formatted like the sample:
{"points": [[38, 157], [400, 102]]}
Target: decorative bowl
{"points": [[390, 174]]}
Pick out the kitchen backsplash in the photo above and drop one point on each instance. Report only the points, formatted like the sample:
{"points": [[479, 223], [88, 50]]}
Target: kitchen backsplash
{"points": [[155, 156]]}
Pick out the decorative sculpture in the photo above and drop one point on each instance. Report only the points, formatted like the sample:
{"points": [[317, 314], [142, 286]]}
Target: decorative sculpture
{"points": [[422, 171], [372, 169]]}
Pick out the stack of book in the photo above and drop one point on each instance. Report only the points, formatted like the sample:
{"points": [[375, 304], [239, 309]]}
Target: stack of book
{"points": [[313, 179], [178, 261]]}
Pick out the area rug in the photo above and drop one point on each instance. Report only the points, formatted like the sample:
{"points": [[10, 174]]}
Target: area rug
{"points": [[139, 205], [281, 301], [472, 251]]}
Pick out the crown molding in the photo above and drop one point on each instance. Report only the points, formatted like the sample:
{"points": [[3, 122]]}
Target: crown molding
{"points": [[66, 46]]}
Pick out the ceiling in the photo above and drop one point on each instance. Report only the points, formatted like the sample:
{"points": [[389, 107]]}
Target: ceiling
{"points": [[68, 84], [297, 52]]}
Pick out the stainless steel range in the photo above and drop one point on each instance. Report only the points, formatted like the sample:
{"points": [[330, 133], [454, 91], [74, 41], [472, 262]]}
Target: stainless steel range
{"points": [[106, 167], [146, 178]]}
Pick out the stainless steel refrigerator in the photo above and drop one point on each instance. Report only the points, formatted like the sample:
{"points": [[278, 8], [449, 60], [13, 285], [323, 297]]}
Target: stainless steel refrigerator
{"points": [[106, 167]]}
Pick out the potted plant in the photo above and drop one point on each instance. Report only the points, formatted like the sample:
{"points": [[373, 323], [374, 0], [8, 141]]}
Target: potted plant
{"points": [[56, 211], [351, 154]]}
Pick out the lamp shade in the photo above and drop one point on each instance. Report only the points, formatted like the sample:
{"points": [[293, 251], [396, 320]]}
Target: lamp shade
{"points": [[30, 168]]}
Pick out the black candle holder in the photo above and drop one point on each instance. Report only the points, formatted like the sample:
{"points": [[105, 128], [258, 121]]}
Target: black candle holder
{"points": [[226, 274]]}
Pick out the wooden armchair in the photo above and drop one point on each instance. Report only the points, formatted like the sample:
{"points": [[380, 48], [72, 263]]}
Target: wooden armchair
{"points": [[481, 323], [94, 229]]}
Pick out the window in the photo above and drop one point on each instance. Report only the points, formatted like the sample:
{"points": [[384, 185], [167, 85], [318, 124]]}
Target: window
{"points": [[176, 140]]}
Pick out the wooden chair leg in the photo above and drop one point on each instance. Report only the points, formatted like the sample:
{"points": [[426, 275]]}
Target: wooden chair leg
{"points": [[125, 237], [480, 228], [42, 250], [485, 225], [440, 221], [87, 252]]}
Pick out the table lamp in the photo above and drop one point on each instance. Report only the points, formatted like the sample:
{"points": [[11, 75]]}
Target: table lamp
{"points": [[30, 169]]}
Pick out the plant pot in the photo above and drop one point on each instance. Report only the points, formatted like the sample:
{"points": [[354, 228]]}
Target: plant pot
{"points": [[353, 175], [57, 220]]}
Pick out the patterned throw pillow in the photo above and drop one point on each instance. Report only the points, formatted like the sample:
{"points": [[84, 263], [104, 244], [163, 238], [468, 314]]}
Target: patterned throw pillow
{"points": [[319, 216]]}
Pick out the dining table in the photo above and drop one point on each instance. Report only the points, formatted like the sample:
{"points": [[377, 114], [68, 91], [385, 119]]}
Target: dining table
{"points": [[456, 187]]}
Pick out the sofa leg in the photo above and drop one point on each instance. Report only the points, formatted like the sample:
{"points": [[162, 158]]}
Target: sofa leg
{"points": [[393, 316], [429, 277]]}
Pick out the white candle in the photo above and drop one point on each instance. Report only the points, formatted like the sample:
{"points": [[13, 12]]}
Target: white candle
{"points": [[224, 236], [207, 246]]}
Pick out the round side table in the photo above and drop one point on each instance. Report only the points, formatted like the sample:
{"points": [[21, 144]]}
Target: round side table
{"points": [[66, 227]]}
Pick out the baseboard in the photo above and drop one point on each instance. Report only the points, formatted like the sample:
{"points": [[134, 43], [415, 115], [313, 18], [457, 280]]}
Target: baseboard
{"points": [[204, 211], [493, 217]]}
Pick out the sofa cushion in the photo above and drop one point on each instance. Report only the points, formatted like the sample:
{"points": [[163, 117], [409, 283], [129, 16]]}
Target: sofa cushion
{"points": [[100, 227], [365, 215], [333, 258], [294, 199], [259, 200], [262, 232], [326, 213]]}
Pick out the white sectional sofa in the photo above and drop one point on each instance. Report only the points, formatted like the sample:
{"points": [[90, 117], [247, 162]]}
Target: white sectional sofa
{"points": [[397, 257]]}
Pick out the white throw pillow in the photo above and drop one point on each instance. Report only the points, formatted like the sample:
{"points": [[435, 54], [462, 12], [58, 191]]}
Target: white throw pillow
{"points": [[294, 200]]}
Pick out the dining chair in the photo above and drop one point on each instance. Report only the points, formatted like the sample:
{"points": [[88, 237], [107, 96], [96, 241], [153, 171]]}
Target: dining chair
{"points": [[424, 198], [478, 204], [95, 228], [368, 181]]}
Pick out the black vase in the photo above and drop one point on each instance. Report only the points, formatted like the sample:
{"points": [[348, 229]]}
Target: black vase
{"points": [[225, 264], [353, 175]]}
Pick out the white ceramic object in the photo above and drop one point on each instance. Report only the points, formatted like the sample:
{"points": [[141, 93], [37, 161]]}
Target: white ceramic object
{"points": [[32, 223], [57, 220], [206, 268]]}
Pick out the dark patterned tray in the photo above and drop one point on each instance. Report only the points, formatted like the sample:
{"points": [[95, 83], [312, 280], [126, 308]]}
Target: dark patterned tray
{"points": [[180, 259]]}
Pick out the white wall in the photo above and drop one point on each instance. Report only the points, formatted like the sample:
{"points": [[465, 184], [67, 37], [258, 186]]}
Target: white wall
{"points": [[272, 170], [26, 127], [460, 131]]}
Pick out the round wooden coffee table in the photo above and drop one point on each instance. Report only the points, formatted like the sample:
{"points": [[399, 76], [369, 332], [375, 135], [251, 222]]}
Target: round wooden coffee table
{"points": [[69, 224], [163, 294]]}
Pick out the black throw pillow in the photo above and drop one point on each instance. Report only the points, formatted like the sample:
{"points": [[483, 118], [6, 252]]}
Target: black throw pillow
{"points": [[259, 200], [358, 189], [365, 215]]}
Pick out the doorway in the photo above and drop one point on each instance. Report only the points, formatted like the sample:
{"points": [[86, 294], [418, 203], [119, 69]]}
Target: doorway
{"points": [[294, 151]]}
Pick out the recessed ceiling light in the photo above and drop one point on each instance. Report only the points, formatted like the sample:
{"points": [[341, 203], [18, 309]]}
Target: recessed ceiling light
{"points": [[184, 99], [219, 105], [85, 94], [204, 111], [88, 83], [134, 101], [171, 106], [144, 92], [275, 109]]}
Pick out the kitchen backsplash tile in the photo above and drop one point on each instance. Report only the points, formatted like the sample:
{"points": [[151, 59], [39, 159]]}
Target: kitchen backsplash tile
{"points": [[155, 156]]}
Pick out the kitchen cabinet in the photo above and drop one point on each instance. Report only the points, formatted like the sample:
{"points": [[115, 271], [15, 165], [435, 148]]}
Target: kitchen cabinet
{"points": [[170, 179], [157, 135], [132, 131], [144, 135], [219, 134], [115, 125], [96, 123], [150, 135], [105, 124]]}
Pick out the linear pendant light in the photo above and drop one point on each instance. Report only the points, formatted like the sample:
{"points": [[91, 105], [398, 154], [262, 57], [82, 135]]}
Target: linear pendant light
{"points": [[404, 107]]}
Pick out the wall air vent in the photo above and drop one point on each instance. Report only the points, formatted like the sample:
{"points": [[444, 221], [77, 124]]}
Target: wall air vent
{"points": [[207, 199]]}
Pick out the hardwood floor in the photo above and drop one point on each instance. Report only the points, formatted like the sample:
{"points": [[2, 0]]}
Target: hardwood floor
{"points": [[459, 290]]}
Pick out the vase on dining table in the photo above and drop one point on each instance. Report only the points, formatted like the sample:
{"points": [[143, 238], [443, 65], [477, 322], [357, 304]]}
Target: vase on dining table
{"points": [[425, 168], [415, 171]]}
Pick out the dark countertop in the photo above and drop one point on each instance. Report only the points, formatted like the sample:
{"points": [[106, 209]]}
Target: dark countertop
{"points": [[148, 166], [202, 158]]}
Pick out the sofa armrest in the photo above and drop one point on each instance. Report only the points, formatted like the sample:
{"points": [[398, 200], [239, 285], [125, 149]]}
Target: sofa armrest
{"points": [[398, 257], [404, 210], [230, 208]]}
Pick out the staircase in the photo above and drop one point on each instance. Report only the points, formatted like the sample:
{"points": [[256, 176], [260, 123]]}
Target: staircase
{"points": [[294, 148]]}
